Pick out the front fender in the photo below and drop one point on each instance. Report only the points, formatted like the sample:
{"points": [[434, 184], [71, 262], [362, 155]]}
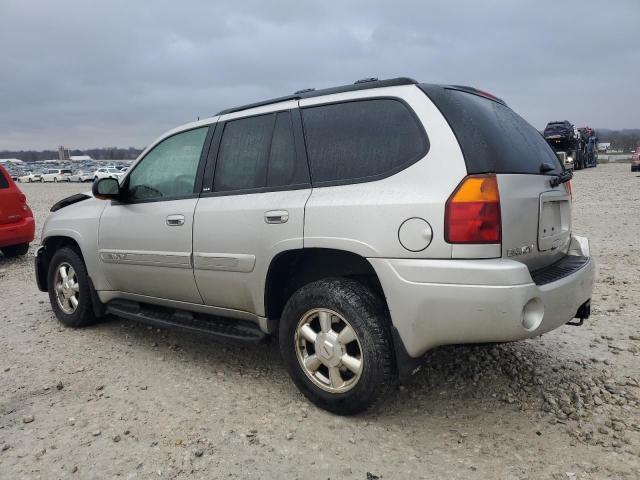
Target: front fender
{"points": [[79, 222]]}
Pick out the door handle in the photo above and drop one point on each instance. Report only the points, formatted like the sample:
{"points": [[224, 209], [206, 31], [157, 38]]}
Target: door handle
{"points": [[276, 216], [175, 220]]}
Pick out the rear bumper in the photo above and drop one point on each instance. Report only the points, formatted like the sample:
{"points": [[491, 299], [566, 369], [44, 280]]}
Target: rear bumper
{"points": [[439, 302], [17, 233]]}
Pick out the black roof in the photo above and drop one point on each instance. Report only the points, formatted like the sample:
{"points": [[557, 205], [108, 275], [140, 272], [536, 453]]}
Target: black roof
{"points": [[364, 84]]}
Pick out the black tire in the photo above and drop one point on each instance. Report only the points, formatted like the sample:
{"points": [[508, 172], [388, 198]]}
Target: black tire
{"points": [[41, 180], [368, 316], [15, 250], [83, 314]]}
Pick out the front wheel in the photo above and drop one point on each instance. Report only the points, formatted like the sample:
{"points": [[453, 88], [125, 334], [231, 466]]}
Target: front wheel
{"points": [[69, 291], [336, 343], [41, 180]]}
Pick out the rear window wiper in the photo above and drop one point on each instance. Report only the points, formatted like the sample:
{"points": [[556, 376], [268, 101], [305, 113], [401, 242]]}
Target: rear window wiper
{"points": [[562, 178]]}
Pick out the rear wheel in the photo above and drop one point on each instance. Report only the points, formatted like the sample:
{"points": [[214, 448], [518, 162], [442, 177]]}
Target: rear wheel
{"points": [[16, 250], [69, 291], [41, 180], [336, 344]]}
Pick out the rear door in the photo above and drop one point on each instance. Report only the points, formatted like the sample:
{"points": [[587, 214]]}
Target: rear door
{"points": [[145, 241], [536, 217], [252, 205]]}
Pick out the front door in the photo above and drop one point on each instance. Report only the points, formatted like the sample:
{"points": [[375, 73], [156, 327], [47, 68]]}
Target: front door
{"points": [[145, 241], [254, 208]]}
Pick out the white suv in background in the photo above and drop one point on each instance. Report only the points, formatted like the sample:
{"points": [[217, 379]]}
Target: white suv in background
{"points": [[56, 175], [363, 225], [107, 172]]}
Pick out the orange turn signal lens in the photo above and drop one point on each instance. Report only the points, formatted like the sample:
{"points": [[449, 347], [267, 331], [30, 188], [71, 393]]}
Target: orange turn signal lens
{"points": [[472, 213]]}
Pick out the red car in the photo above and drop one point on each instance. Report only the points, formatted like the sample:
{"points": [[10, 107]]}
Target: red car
{"points": [[17, 226]]}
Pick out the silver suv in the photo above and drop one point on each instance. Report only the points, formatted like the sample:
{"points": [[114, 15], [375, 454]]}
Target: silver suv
{"points": [[363, 225]]}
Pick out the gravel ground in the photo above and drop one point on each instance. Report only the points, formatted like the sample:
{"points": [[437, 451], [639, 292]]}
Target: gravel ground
{"points": [[121, 400]]}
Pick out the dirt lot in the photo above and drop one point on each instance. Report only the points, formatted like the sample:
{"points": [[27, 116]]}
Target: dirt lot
{"points": [[122, 400]]}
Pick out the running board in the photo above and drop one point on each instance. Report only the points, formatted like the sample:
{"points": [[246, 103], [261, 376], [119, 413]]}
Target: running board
{"points": [[239, 331]]}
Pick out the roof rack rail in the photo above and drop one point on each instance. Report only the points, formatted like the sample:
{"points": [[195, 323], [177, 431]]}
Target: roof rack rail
{"points": [[363, 84], [366, 80], [304, 90]]}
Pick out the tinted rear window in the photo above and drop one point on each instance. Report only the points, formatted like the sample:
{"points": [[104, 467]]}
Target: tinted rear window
{"points": [[258, 152], [361, 140], [493, 137], [4, 183]]}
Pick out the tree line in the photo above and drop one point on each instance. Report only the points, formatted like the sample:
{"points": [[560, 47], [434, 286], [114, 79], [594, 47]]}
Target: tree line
{"points": [[108, 153], [625, 140]]}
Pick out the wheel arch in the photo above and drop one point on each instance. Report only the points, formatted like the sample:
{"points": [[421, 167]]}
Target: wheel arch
{"points": [[291, 269], [51, 244]]}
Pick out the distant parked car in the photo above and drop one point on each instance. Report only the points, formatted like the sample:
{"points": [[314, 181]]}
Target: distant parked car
{"points": [[635, 160], [81, 176], [17, 226], [56, 175], [30, 177], [107, 172]]}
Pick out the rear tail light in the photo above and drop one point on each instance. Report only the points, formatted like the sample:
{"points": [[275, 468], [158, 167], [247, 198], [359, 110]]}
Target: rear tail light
{"points": [[23, 203], [472, 212]]}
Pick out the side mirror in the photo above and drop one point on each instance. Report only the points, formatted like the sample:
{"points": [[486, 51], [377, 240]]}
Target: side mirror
{"points": [[106, 188]]}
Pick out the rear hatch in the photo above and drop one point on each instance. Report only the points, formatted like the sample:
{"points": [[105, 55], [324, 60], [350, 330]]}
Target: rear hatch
{"points": [[10, 204], [536, 217]]}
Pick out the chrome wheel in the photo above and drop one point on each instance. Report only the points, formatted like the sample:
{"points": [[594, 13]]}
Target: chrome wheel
{"points": [[67, 288], [328, 350]]}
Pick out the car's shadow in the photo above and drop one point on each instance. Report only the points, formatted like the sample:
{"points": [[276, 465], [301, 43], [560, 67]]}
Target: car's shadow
{"points": [[472, 378]]}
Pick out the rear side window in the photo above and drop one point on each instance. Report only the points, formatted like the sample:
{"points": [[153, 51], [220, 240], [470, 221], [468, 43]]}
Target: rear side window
{"points": [[258, 152], [4, 183], [493, 138], [361, 140]]}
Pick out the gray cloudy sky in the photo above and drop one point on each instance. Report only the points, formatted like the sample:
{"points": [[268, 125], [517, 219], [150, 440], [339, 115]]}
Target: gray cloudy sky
{"points": [[118, 73]]}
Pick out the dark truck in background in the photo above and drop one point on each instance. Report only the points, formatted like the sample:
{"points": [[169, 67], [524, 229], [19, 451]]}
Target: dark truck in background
{"points": [[576, 147]]}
